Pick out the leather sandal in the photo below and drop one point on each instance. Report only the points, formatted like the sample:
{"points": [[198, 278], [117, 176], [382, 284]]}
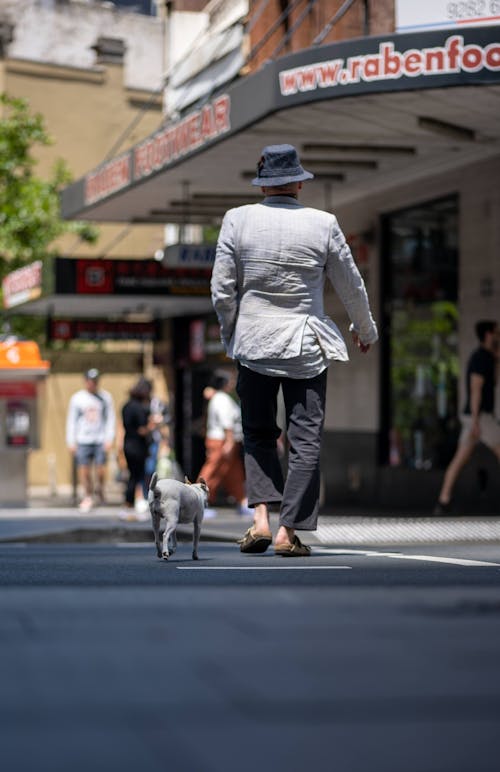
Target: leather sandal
{"points": [[254, 542], [294, 550]]}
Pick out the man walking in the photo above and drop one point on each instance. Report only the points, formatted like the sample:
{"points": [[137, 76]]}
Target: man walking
{"points": [[479, 423], [90, 432], [267, 290]]}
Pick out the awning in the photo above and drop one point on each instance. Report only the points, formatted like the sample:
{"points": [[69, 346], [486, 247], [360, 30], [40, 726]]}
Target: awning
{"points": [[366, 115], [108, 290], [21, 360]]}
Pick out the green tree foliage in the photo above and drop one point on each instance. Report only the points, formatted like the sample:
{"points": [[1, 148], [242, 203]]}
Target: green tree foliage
{"points": [[30, 219], [211, 234]]}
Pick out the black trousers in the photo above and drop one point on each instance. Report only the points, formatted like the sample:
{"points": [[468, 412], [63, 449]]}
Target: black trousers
{"points": [[298, 495], [135, 455]]}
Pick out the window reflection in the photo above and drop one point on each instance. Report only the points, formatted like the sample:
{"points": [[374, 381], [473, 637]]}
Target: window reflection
{"points": [[421, 306]]}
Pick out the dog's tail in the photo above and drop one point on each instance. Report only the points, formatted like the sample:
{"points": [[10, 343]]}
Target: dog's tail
{"points": [[153, 486]]}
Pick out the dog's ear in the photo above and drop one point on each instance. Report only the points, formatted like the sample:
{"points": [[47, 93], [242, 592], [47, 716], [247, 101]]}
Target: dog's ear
{"points": [[203, 484], [187, 480]]}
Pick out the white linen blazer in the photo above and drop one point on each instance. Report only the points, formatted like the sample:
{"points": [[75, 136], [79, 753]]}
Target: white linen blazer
{"points": [[268, 281]]}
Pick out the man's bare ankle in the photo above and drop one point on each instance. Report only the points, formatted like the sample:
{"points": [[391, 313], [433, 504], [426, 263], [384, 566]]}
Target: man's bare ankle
{"points": [[285, 535], [261, 519]]}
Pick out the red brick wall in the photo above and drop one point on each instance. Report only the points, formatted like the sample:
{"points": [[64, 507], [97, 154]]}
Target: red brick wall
{"points": [[352, 24], [382, 17]]}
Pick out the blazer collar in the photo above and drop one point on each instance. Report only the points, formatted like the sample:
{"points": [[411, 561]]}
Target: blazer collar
{"points": [[290, 200]]}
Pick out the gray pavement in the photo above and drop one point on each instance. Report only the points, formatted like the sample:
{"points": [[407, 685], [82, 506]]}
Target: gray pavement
{"points": [[114, 661], [52, 520]]}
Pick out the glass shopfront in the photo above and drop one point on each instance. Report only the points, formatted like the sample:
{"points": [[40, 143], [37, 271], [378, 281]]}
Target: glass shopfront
{"points": [[420, 343]]}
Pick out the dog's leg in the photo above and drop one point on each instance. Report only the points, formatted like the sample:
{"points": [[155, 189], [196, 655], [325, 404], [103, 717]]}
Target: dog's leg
{"points": [[156, 518], [171, 515], [167, 535], [172, 545], [154, 502], [196, 536]]}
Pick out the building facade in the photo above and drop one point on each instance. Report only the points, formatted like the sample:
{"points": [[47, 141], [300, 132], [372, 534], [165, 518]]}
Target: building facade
{"points": [[95, 74], [397, 116]]}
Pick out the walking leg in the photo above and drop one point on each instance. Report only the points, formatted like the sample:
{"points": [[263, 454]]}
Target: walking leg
{"points": [[462, 455], [305, 411], [264, 477]]}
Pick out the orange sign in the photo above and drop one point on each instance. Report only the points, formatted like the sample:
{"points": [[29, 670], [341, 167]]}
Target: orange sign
{"points": [[21, 355]]}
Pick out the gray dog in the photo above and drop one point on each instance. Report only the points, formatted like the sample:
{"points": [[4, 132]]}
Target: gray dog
{"points": [[177, 502]]}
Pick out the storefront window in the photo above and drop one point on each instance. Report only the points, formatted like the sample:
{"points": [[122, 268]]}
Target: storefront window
{"points": [[420, 370]]}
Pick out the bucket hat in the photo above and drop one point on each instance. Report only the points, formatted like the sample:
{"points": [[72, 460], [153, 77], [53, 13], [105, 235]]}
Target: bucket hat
{"points": [[279, 165]]}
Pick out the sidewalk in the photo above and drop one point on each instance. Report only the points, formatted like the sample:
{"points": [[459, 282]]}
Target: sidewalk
{"points": [[59, 521]]}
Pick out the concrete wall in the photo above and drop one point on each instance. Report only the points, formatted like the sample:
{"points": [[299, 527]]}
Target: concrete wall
{"points": [[64, 35]]}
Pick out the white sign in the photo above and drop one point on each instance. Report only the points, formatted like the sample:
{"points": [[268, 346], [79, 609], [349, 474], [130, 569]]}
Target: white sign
{"points": [[390, 64], [189, 256], [22, 285], [439, 14]]}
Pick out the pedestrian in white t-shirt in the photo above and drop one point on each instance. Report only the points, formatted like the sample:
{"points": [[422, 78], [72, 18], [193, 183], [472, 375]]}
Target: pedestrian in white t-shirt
{"points": [[90, 433], [223, 466]]}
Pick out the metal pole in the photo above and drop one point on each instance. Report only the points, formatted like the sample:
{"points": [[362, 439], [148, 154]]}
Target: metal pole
{"points": [[74, 480]]}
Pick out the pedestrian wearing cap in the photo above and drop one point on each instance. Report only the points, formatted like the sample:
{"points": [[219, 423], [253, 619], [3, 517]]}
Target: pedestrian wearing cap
{"points": [[267, 290], [90, 433]]}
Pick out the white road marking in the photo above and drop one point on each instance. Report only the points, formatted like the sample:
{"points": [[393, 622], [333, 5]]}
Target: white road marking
{"points": [[261, 568], [330, 551], [402, 556]]}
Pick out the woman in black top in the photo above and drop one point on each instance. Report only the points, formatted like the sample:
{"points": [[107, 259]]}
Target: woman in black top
{"points": [[136, 423], [479, 422]]}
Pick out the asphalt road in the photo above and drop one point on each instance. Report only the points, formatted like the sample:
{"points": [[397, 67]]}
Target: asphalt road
{"points": [[350, 661]]}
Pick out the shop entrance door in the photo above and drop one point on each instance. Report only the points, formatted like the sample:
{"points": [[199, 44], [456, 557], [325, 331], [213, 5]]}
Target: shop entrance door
{"points": [[420, 342]]}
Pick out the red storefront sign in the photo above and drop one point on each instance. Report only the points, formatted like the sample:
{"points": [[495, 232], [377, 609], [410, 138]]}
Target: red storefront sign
{"points": [[17, 389], [94, 277], [101, 329]]}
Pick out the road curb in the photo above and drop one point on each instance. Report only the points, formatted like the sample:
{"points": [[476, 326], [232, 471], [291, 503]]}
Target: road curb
{"points": [[108, 536]]}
